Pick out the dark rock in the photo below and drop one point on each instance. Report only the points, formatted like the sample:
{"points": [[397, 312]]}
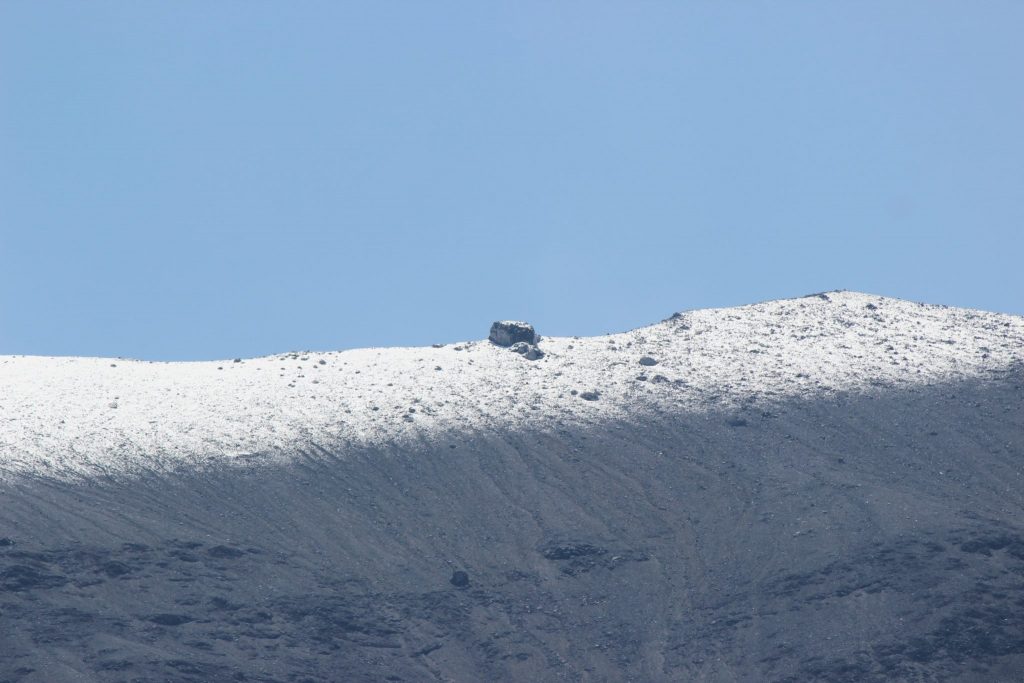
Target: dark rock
{"points": [[114, 569], [221, 603], [647, 360], [184, 556], [528, 351], [508, 332], [170, 619], [590, 395], [21, 577], [224, 552], [6, 542], [460, 579]]}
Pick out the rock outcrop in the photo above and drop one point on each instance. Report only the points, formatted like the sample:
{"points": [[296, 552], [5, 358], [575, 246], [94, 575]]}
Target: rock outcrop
{"points": [[509, 332]]}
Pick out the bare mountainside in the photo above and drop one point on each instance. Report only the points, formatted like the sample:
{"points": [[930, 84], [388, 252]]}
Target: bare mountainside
{"points": [[826, 488]]}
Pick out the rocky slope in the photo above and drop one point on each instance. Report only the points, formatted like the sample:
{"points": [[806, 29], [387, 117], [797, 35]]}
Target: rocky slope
{"points": [[825, 488]]}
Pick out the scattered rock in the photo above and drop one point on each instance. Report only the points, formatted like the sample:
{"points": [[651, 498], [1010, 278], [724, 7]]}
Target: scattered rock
{"points": [[528, 351], [508, 332], [460, 579], [567, 551], [647, 360]]}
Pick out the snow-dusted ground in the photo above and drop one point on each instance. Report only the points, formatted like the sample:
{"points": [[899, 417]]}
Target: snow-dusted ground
{"points": [[64, 416]]}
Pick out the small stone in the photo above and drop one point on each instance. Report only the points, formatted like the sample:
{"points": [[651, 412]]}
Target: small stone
{"points": [[170, 619], [648, 361], [460, 579], [528, 351], [590, 395]]}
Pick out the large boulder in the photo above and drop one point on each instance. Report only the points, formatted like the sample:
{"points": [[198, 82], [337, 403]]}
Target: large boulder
{"points": [[509, 332]]}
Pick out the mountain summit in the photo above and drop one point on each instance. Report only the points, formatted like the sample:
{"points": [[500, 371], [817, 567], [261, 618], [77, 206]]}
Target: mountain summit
{"points": [[823, 488]]}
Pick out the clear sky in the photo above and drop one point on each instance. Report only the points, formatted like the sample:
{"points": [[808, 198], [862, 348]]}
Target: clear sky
{"points": [[188, 180]]}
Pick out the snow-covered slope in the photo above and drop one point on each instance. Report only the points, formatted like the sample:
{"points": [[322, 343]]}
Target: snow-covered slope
{"points": [[76, 416]]}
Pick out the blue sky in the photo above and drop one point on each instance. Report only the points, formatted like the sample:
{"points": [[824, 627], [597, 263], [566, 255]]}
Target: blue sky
{"points": [[188, 180]]}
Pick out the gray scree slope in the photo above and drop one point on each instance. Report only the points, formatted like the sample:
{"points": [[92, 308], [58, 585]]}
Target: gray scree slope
{"points": [[827, 488]]}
